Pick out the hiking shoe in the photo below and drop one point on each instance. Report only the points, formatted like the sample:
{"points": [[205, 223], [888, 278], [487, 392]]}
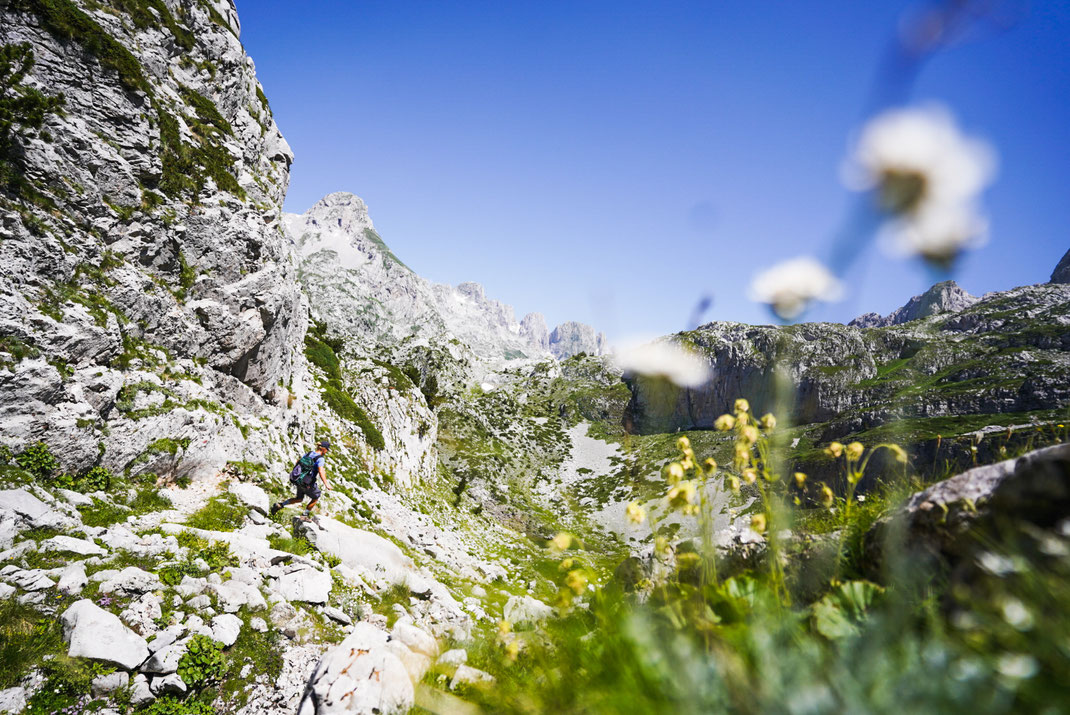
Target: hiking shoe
{"points": [[309, 516], [275, 508]]}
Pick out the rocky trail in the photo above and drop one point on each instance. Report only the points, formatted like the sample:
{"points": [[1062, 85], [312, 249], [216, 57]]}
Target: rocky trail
{"points": [[136, 594]]}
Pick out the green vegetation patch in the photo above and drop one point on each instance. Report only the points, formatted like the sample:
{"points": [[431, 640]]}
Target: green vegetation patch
{"points": [[66, 21], [321, 351], [220, 513]]}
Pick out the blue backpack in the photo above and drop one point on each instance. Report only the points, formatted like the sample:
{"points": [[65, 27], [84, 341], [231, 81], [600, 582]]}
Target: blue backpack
{"points": [[304, 472]]}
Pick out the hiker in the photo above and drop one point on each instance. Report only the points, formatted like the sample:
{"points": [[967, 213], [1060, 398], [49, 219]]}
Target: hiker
{"points": [[303, 476]]}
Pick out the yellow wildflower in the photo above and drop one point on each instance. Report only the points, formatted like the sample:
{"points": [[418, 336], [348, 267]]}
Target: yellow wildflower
{"points": [[577, 581], [504, 627], [757, 523], [899, 452], [800, 479], [742, 455], [768, 422], [750, 475], [676, 473], [512, 649], [687, 463], [827, 497], [742, 406], [834, 450], [683, 443], [565, 565], [636, 513], [749, 434], [733, 483], [711, 465], [562, 541], [725, 423], [682, 495], [662, 546], [855, 451]]}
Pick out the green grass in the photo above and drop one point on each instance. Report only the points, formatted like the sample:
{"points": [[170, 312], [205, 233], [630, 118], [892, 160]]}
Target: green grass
{"points": [[27, 637], [220, 513], [64, 20], [321, 353]]}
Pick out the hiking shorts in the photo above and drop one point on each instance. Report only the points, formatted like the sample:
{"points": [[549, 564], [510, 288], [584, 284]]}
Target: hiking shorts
{"points": [[312, 491]]}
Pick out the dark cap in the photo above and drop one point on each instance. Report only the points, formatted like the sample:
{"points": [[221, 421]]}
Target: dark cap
{"points": [[325, 444]]}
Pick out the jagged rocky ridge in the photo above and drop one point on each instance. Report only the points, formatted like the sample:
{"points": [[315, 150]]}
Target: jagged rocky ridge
{"points": [[945, 297], [358, 286]]}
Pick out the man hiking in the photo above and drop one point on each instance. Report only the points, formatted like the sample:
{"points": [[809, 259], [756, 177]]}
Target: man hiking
{"points": [[303, 476]]}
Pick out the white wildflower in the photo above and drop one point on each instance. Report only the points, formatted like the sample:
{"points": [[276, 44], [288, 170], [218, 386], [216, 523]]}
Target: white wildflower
{"points": [[665, 359], [939, 232], [912, 157], [929, 176], [789, 287], [1016, 614], [1017, 666]]}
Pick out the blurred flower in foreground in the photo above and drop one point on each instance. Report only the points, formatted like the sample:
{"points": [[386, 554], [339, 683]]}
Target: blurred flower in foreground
{"points": [[789, 287], [664, 359], [927, 175], [636, 514]]}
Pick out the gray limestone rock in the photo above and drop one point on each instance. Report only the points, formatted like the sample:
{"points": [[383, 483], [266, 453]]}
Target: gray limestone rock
{"points": [[945, 297], [1061, 274], [92, 632], [360, 674], [572, 338]]}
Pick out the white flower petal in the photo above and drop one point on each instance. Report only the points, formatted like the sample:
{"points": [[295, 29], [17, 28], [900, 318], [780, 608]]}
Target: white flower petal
{"points": [[666, 359], [927, 142], [789, 287]]}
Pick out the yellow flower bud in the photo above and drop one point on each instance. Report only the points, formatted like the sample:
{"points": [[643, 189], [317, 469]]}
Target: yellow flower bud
{"points": [[566, 565], [504, 627], [733, 483], [636, 513], [749, 434], [725, 423], [661, 545], [711, 465], [742, 406], [834, 450], [683, 443], [768, 422], [750, 475], [675, 473], [682, 495], [512, 649], [827, 497], [855, 451], [800, 479], [899, 452], [757, 523], [562, 541], [687, 463], [577, 581]]}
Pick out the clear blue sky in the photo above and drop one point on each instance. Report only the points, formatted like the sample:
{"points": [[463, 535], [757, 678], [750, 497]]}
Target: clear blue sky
{"points": [[611, 162]]}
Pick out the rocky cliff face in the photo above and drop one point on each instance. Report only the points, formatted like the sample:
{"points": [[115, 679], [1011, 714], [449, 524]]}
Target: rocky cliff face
{"points": [[355, 283], [143, 259], [572, 338], [946, 297], [1061, 274], [1007, 353]]}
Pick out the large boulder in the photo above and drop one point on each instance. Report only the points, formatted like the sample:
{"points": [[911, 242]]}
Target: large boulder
{"points": [[362, 550], [525, 609], [1033, 488], [359, 675], [303, 583], [95, 633]]}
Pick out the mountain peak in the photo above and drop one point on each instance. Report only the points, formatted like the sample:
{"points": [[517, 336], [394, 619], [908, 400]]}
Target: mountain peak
{"points": [[1061, 274], [340, 210], [943, 297]]}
